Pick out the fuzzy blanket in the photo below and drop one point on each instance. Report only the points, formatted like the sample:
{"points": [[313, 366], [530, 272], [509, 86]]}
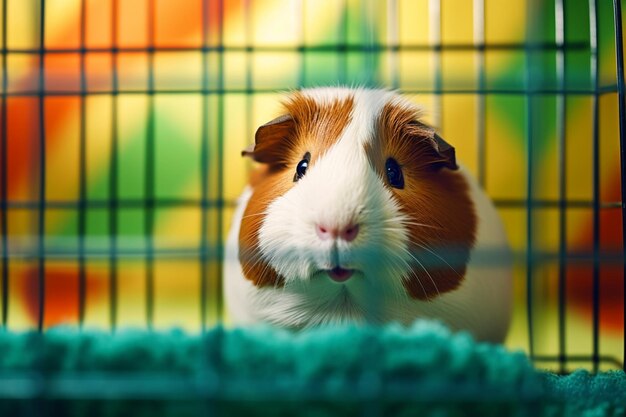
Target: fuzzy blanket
{"points": [[423, 370]]}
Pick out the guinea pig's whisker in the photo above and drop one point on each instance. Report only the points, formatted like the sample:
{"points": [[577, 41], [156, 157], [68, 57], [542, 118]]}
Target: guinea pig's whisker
{"points": [[257, 263], [265, 212], [401, 267], [422, 266], [407, 267], [438, 256], [421, 225], [419, 281], [406, 221], [425, 270], [253, 215], [266, 267], [288, 200]]}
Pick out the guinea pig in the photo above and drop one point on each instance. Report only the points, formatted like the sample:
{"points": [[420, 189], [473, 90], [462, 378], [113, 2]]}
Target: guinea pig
{"points": [[359, 212]]}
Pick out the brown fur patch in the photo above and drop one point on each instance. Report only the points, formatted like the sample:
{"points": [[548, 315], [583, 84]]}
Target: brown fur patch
{"points": [[267, 185], [432, 196], [315, 128]]}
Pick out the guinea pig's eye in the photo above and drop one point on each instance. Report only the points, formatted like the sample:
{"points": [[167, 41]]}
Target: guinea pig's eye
{"points": [[302, 167], [394, 173]]}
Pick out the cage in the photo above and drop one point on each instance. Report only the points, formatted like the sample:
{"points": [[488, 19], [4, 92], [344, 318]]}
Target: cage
{"points": [[121, 124]]}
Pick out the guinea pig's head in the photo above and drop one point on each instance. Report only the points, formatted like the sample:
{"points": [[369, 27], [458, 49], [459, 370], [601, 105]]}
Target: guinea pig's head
{"points": [[355, 197]]}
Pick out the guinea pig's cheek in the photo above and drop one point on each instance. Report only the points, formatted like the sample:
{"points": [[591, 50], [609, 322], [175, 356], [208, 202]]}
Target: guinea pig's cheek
{"points": [[279, 243], [386, 252], [321, 255]]}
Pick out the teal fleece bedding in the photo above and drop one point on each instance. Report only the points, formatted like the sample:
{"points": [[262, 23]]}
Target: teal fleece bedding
{"points": [[391, 370]]}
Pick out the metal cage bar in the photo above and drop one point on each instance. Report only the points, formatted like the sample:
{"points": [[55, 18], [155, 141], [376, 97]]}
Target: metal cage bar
{"points": [[204, 173], [219, 252], [593, 36], [561, 110], [481, 108], [4, 224], [113, 170], [150, 171], [338, 47], [434, 35], [603, 90], [619, 61], [41, 210], [166, 202], [529, 190], [82, 212]]}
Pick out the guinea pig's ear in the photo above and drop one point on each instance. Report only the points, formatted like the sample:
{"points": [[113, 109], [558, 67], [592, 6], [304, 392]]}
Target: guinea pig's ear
{"points": [[445, 154], [272, 141]]}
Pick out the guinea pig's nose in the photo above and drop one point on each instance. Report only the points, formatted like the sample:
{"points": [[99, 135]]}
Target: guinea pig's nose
{"points": [[347, 233], [350, 232], [325, 232]]}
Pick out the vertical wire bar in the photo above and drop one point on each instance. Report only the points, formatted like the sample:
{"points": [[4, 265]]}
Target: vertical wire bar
{"points": [[302, 20], [393, 39], [150, 172], [42, 169], [369, 30], [593, 28], [204, 170], [210, 355], [82, 172], [619, 58], [220, 163], [113, 170], [3, 166], [561, 103], [343, 35], [434, 24], [479, 43], [529, 185], [249, 40]]}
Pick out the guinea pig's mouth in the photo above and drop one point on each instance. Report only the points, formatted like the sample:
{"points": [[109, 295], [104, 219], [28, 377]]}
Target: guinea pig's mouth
{"points": [[339, 274]]}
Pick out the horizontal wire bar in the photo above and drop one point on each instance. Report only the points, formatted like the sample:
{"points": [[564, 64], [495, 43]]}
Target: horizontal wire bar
{"points": [[483, 257], [334, 47], [120, 204], [520, 203], [495, 91], [105, 254], [579, 358], [216, 203]]}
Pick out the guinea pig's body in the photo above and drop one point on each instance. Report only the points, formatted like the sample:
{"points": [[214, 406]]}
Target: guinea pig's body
{"points": [[360, 214]]}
